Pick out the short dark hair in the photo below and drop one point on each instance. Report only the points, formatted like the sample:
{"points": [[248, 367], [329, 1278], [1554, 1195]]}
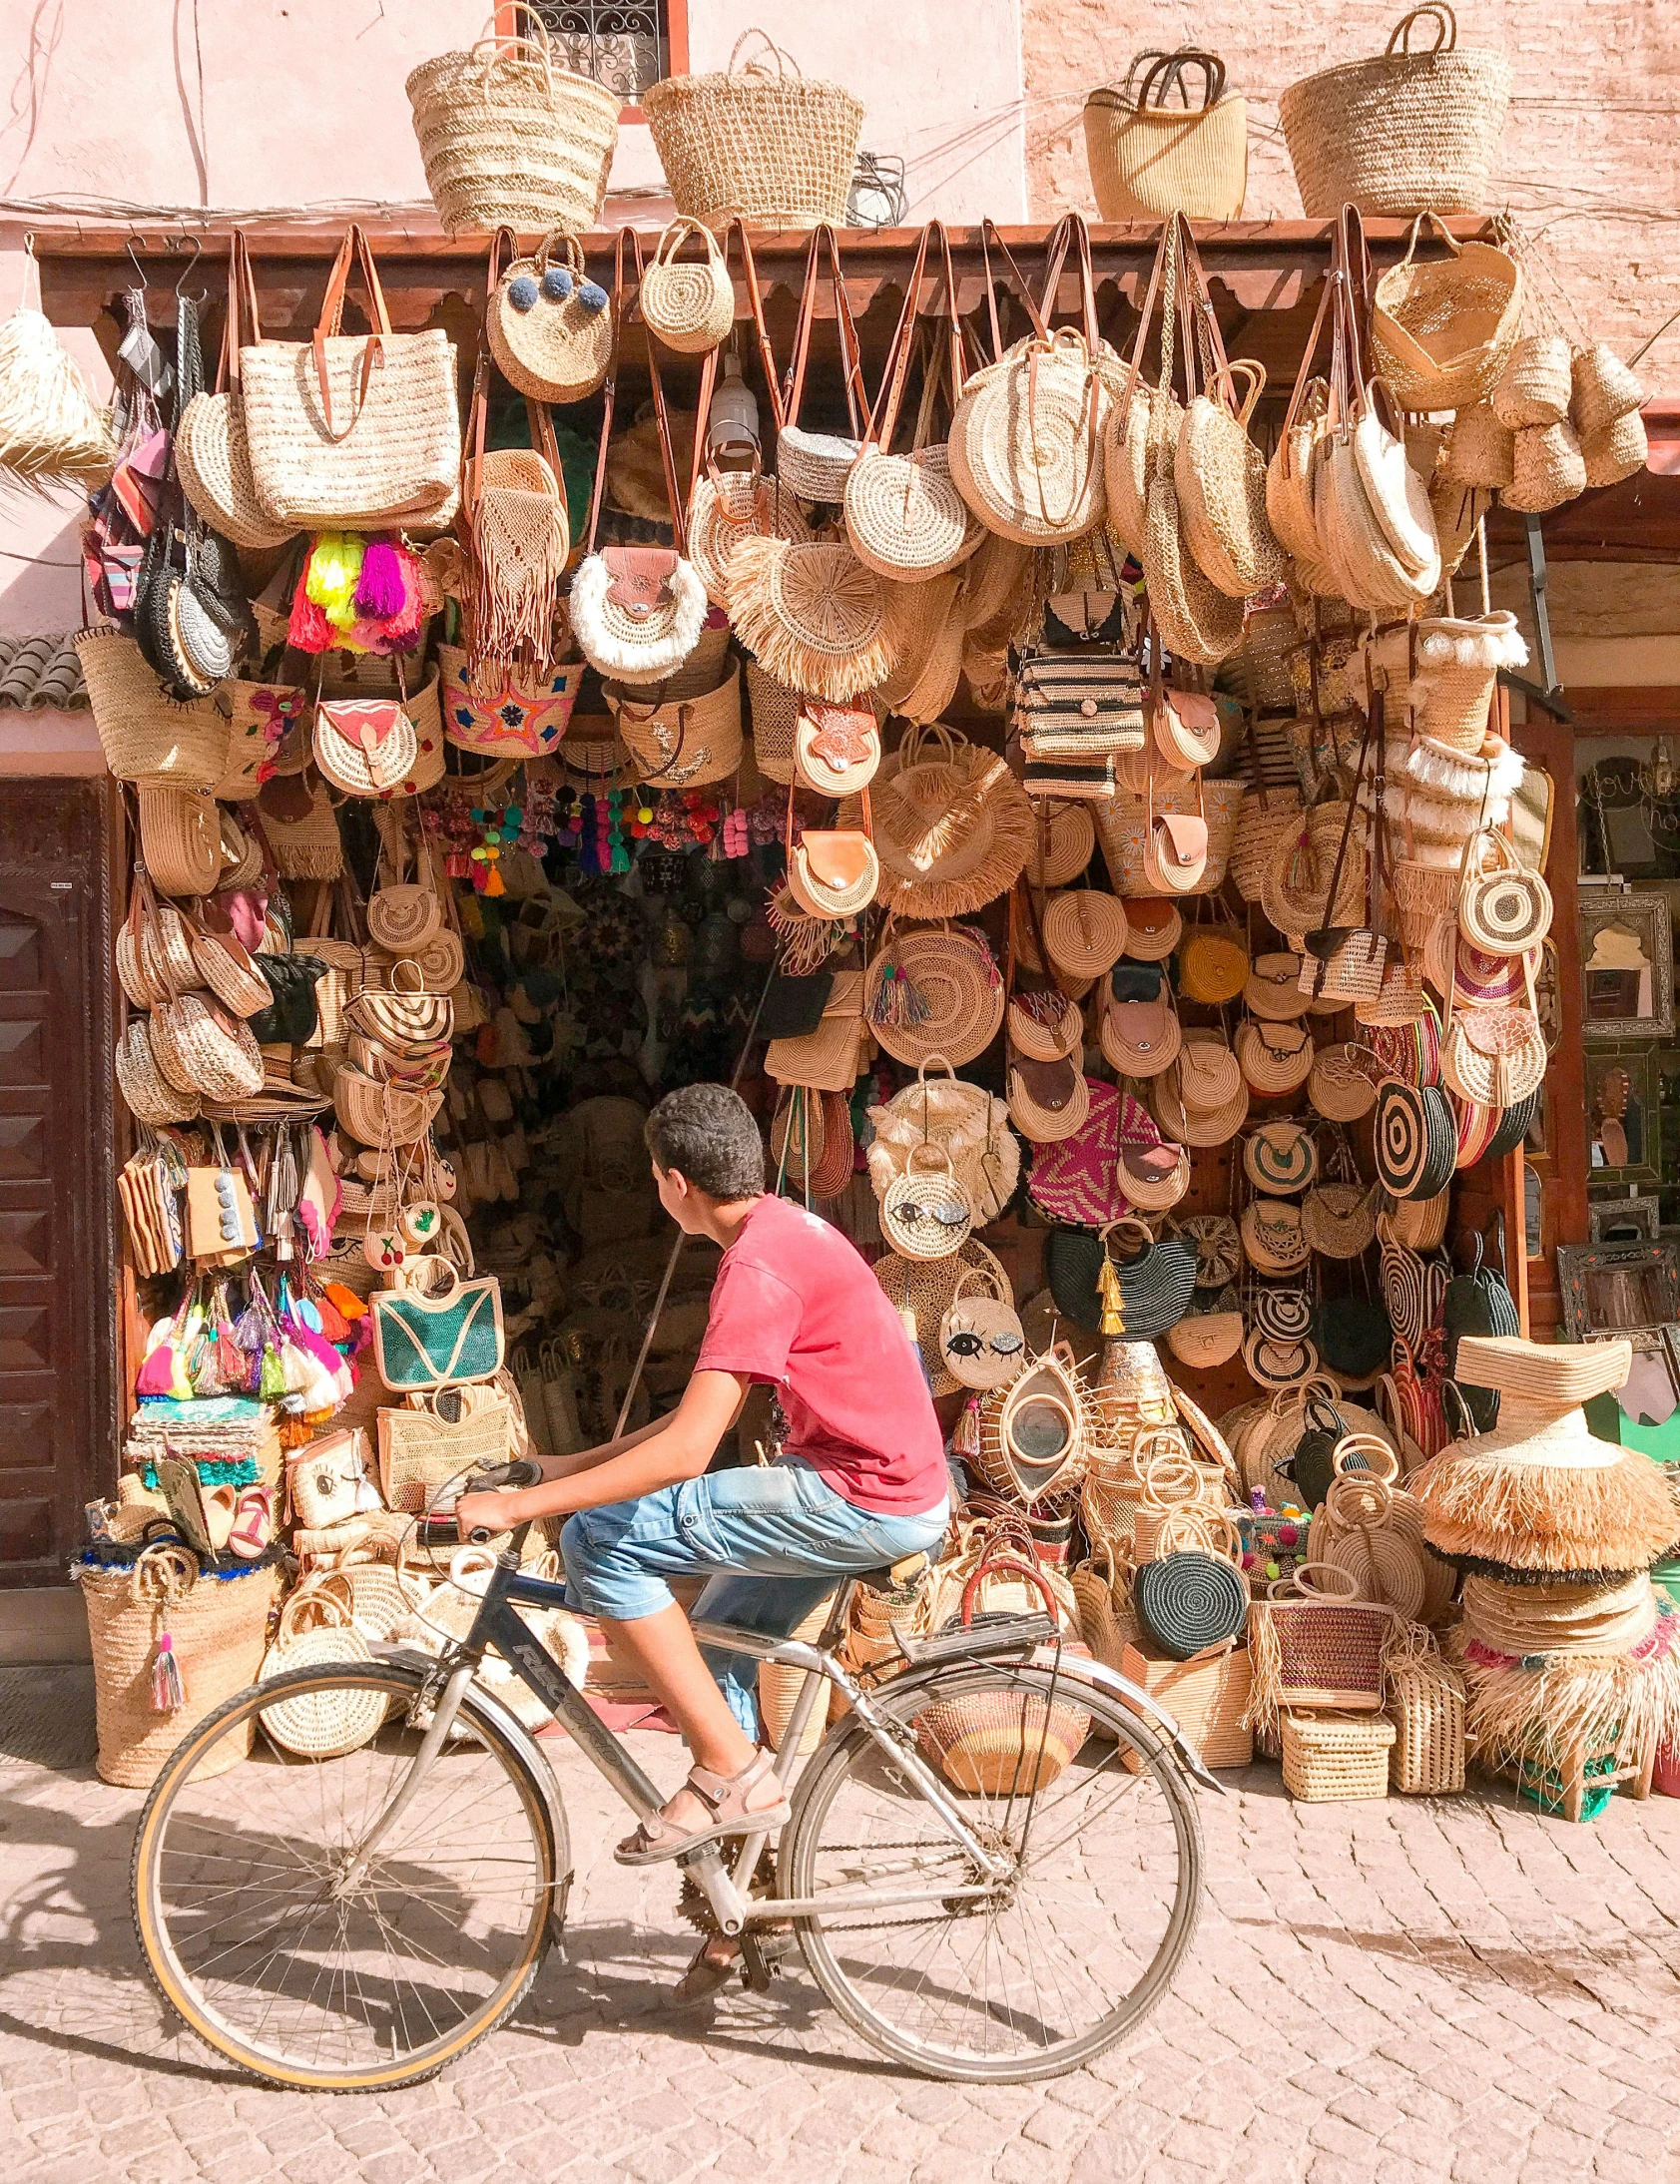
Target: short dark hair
{"points": [[708, 1133]]}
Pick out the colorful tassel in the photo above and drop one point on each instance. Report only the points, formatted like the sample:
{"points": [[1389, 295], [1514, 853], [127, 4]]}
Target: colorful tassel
{"points": [[168, 1693], [309, 629], [379, 591], [1113, 1302], [335, 571]]}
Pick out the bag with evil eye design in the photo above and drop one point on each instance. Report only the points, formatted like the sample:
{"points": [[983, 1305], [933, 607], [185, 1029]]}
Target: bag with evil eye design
{"points": [[925, 1212], [980, 1338]]}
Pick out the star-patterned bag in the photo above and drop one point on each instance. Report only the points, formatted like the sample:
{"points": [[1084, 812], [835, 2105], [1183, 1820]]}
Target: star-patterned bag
{"points": [[836, 748]]}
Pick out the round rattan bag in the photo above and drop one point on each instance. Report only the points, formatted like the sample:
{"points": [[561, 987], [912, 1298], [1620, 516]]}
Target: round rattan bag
{"points": [[1340, 1219], [980, 1338], [921, 1291], [1274, 1240], [689, 303], [934, 991], [1503, 909], [1279, 1158], [548, 324]]}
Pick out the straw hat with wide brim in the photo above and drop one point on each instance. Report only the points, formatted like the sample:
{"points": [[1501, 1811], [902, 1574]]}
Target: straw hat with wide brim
{"points": [[952, 826], [1542, 1493]]}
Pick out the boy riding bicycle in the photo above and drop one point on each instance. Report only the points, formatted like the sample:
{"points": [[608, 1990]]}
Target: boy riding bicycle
{"points": [[862, 1484]]}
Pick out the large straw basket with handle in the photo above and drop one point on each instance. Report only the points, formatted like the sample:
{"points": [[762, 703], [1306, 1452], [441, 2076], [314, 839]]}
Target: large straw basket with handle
{"points": [[509, 138], [756, 141], [1150, 157], [1413, 130]]}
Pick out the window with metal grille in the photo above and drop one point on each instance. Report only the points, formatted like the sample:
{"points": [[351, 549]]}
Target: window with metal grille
{"points": [[624, 48]]}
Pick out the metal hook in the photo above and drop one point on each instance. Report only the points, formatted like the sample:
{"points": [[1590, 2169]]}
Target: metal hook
{"points": [[197, 247], [139, 269]]}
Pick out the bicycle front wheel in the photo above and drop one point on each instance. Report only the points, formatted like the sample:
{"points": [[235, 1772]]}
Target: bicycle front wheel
{"points": [[1029, 1977], [255, 1930]]}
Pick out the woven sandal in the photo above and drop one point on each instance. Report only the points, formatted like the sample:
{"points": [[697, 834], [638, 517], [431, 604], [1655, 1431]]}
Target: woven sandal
{"points": [[656, 1839]]}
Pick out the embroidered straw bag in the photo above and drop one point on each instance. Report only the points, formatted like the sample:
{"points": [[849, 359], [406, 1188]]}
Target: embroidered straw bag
{"points": [[509, 138], [356, 431], [925, 1211], [757, 141], [1404, 133], [210, 456], [904, 515], [683, 742], [1148, 160]]}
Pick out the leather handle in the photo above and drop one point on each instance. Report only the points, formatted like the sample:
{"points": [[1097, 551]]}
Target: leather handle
{"points": [[353, 248], [857, 397]]}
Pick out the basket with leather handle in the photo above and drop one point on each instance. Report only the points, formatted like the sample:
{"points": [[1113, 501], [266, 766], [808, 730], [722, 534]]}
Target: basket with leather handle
{"points": [[680, 742], [1149, 160], [210, 456], [816, 464], [1004, 1743]]}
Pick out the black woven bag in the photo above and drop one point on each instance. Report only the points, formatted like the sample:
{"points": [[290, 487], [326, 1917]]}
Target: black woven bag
{"points": [[1416, 1139], [1190, 1600], [1478, 1302]]}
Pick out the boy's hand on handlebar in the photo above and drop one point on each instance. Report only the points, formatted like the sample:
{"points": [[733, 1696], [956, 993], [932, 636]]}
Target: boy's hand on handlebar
{"points": [[485, 1507]]}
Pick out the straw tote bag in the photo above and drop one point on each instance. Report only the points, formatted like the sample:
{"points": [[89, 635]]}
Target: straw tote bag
{"points": [[1442, 332], [210, 456], [637, 611], [816, 464], [1149, 160], [1196, 619], [904, 515], [1219, 473], [353, 431], [1027, 435]]}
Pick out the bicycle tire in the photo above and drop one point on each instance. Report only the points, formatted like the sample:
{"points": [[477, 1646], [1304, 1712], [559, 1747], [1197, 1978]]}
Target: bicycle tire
{"points": [[148, 1886], [838, 1759]]}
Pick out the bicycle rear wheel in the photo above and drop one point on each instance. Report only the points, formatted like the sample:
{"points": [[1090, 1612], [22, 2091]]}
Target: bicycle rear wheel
{"points": [[248, 1934], [1056, 1963]]}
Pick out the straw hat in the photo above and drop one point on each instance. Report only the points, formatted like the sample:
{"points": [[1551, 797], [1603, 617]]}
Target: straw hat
{"points": [[1540, 1492], [951, 825], [1153, 930], [1273, 988]]}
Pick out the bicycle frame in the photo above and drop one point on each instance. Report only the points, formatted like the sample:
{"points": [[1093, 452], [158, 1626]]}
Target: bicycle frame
{"points": [[497, 1627]]}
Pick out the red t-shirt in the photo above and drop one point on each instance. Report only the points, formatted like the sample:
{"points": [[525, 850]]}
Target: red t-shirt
{"points": [[793, 1303]]}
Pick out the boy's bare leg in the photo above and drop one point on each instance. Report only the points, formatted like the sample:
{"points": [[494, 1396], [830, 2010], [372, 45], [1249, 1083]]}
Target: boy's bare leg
{"points": [[663, 1648]]}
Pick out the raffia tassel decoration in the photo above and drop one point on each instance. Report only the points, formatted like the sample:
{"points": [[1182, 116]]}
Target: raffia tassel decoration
{"points": [[1622, 1699], [520, 539], [811, 615]]}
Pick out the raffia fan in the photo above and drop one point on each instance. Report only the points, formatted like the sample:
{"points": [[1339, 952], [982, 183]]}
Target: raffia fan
{"points": [[952, 826]]}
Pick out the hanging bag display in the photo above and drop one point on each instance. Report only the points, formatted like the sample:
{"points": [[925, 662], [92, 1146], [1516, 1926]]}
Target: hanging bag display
{"points": [[445, 1335], [815, 466], [210, 456], [353, 431], [637, 611]]}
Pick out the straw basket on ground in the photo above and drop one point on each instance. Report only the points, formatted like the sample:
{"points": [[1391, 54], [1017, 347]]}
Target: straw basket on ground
{"points": [[213, 1628]]}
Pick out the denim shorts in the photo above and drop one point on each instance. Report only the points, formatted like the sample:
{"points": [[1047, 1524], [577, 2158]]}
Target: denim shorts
{"points": [[775, 1539]]}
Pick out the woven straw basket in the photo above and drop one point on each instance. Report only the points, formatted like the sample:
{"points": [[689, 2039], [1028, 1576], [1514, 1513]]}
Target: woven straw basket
{"points": [[757, 142], [1442, 331], [685, 743], [779, 1687], [1150, 159], [1331, 1758], [217, 1629], [145, 735], [509, 140], [1123, 828], [1400, 133]]}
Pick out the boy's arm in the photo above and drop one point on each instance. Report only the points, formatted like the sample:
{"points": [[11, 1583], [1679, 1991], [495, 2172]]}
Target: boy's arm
{"points": [[672, 1449]]}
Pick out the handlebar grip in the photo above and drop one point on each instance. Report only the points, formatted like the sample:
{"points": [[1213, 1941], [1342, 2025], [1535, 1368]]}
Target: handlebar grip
{"points": [[520, 1471]]}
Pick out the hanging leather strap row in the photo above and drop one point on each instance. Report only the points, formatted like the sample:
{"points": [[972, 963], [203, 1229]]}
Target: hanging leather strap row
{"points": [[354, 248], [857, 395], [662, 415]]}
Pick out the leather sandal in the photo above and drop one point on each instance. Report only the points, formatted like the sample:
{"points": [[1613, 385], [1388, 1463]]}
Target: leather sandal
{"points": [[656, 1839]]}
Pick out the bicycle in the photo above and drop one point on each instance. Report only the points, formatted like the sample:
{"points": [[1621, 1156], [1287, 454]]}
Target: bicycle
{"points": [[993, 1872]]}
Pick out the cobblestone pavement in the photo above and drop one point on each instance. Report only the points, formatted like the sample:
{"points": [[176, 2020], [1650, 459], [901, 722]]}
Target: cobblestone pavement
{"points": [[1416, 1989]]}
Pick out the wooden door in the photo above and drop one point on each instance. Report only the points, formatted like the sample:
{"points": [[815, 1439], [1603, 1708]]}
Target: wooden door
{"points": [[58, 1421]]}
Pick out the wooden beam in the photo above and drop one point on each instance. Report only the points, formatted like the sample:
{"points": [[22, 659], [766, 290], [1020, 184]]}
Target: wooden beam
{"points": [[1607, 710]]}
